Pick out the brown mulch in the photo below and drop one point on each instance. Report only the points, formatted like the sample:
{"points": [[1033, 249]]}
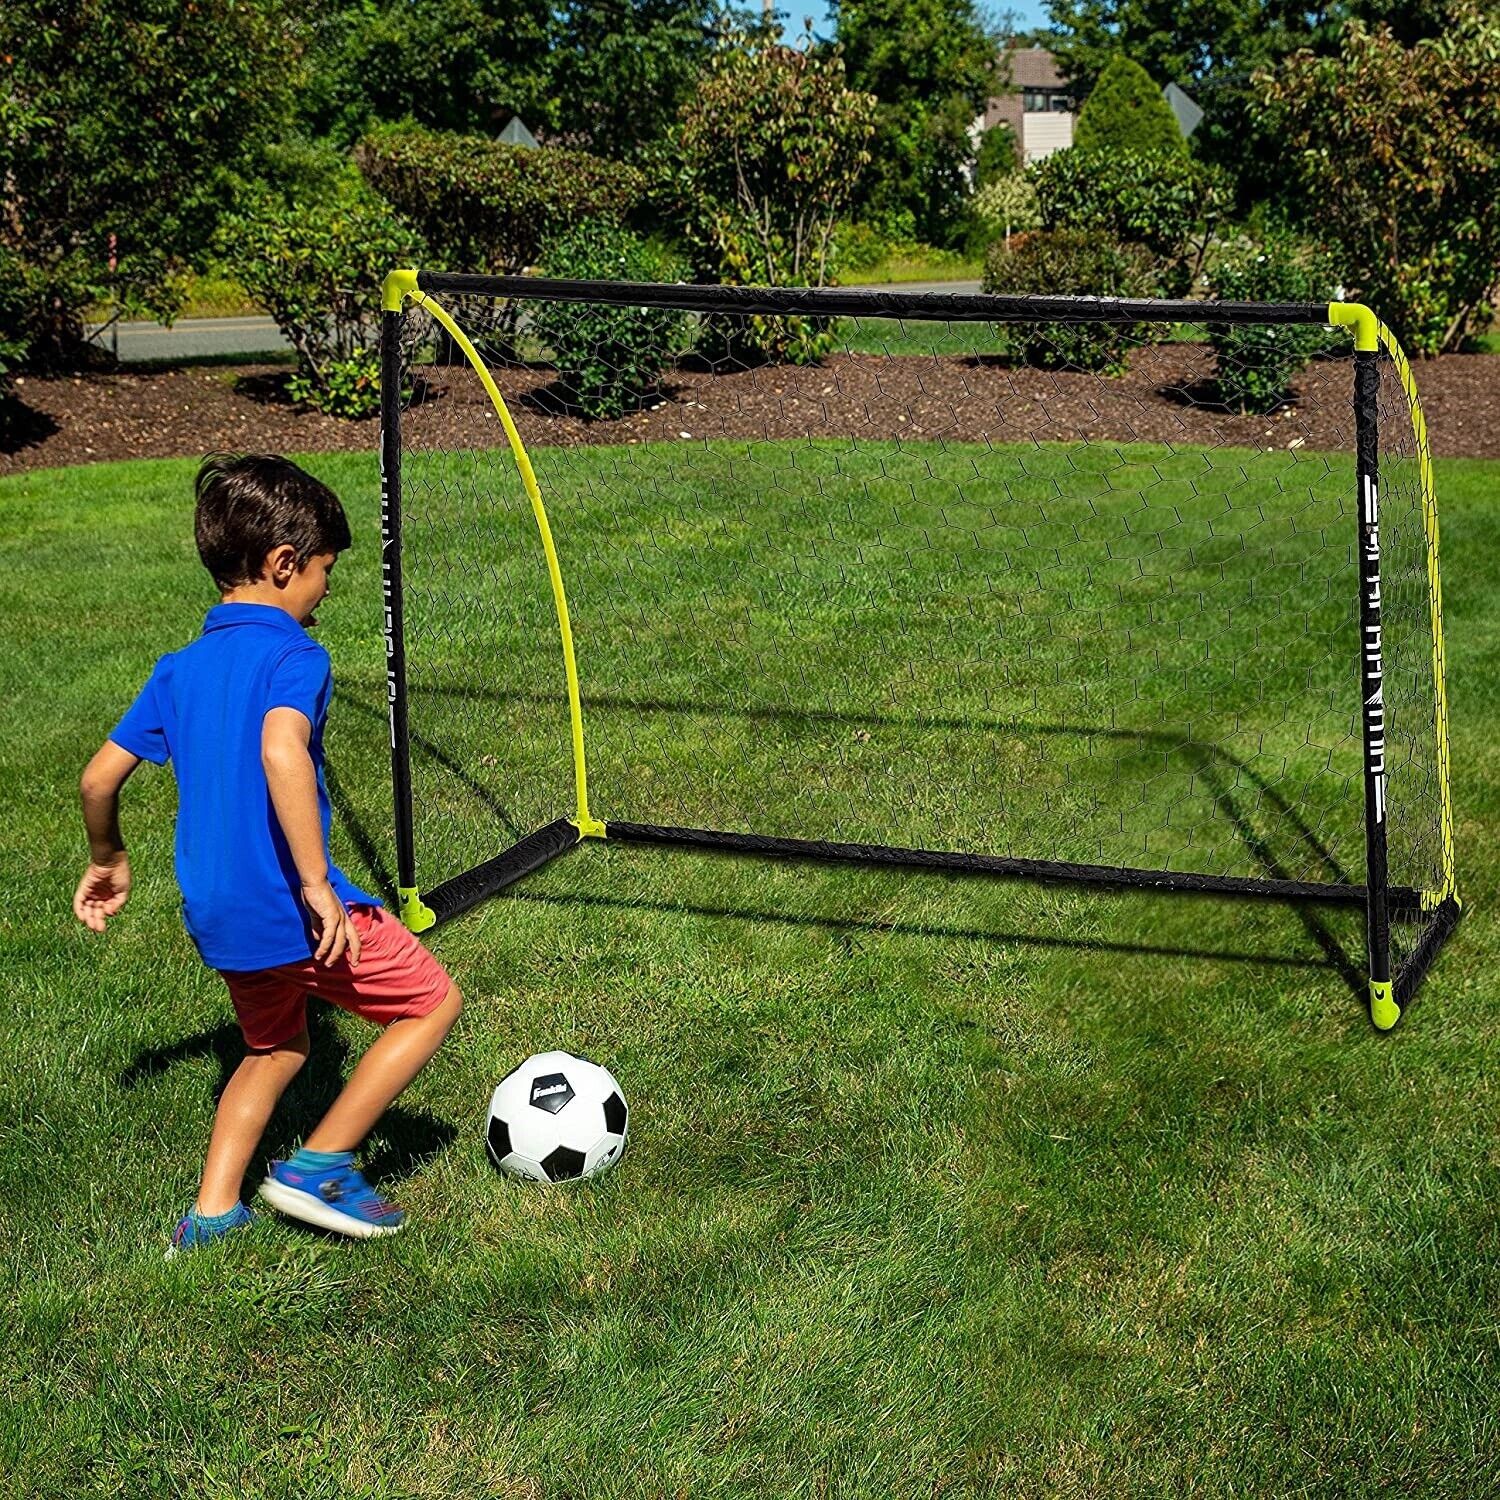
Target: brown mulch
{"points": [[1167, 396]]}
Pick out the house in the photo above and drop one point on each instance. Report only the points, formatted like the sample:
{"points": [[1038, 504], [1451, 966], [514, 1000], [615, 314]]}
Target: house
{"points": [[1038, 107]]}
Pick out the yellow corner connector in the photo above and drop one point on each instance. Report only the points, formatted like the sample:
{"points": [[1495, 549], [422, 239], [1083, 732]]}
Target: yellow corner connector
{"points": [[415, 913], [589, 828], [1357, 316], [398, 286], [1384, 1011]]}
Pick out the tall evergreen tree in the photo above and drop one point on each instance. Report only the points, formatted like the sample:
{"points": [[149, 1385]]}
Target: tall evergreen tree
{"points": [[1127, 112]]}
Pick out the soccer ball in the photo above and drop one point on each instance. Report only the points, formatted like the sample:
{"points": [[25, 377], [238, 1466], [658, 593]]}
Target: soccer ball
{"points": [[557, 1117]]}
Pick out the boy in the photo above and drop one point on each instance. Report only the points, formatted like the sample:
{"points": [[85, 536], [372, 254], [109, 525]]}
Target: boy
{"points": [[240, 714]]}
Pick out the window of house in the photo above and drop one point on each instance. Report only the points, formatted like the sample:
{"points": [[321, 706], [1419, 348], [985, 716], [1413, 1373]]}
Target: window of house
{"points": [[1045, 101]]}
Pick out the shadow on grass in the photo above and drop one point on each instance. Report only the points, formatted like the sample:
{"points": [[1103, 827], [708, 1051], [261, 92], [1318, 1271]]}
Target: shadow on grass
{"points": [[1210, 761], [912, 929], [1222, 773], [404, 1140]]}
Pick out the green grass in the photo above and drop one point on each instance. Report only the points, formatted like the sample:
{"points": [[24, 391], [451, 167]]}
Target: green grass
{"points": [[916, 263], [208, 296], [936, 1187]]}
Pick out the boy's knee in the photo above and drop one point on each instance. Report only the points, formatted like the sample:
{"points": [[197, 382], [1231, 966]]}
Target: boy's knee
{"points": [[453, 1003], [286, 1057]]}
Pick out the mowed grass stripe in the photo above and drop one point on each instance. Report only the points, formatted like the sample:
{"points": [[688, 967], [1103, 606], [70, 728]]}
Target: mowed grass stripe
{"points": [[935, 1185]]}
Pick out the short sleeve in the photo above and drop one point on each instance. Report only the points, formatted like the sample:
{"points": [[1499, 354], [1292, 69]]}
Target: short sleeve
{"points": [[302, 679], [143, 729]]}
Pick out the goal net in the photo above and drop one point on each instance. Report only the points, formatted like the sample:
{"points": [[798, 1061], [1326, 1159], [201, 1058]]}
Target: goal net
{"points": [[1008, 585]]}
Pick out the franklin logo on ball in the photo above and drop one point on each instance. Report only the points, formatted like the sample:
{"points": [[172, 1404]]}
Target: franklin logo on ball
{"points": [[551, 1092]]}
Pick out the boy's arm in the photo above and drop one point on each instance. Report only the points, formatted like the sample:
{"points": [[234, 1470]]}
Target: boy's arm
{"points": [[293, 781], [106, 883]]}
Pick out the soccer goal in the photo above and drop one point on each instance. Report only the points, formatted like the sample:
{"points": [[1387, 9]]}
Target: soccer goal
{"points": [[1011, 586]]}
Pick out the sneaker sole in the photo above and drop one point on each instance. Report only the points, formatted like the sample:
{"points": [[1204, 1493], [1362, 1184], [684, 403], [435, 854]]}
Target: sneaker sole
{"points": [[299, 1205]]}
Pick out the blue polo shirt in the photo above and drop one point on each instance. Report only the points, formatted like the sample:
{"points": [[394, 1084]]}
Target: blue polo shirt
{"points": [[202, 709]]}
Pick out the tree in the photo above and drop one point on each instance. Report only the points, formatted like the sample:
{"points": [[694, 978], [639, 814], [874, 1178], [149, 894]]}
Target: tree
{"points": [[932, 65], [1126, 111], [448, 64], [621, 69], [121, 130], [768, 153], [999, 155], [1211, 48], [1397, 150]]}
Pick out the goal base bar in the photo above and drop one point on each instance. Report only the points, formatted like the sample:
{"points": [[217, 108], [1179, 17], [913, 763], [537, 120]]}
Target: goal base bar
{"points": [[454, 897], [1439, 928], [992, 864]]}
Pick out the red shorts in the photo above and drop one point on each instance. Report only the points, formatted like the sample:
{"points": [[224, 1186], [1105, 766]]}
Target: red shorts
{"points": [[396, 977]]}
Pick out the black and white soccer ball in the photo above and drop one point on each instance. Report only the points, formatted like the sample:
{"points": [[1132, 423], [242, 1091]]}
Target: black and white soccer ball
{"points": [[557, 1117]]}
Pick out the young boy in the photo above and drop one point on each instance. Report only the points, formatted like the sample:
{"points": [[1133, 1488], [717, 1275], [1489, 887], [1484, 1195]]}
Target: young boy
{"points": [[240, 712]]}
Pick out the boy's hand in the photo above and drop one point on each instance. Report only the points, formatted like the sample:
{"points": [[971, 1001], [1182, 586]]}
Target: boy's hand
{"points": [[331, 925], [102, 892]]}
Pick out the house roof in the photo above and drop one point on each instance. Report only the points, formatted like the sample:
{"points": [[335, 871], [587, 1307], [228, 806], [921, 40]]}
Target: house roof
{"points": [[1033, 68]]}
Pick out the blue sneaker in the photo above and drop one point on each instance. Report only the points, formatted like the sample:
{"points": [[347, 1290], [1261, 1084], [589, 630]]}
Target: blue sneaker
{"points": [[194, 1231], [336, 1198]]}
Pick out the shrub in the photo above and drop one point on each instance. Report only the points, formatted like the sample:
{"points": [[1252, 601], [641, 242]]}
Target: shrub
{"points": [[1126, 111], [1397, 151], [349, 387], [1162, 200], [1071, 262], [607, 357], [1256, 364], [767, 154], [121, 126], [316, 267], [1006, 205], [862, 247], [999, 155], [484, 206]]}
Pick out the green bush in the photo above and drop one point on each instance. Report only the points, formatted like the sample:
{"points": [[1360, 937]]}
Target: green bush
{"points": [[1160, 199], [483, 206], [999, 155], [122, 126], [1396, 151], [766, 156], [1126, 111], [1257, 363], [316, 266], [349, 387], [861, 247], [1005, 206], [1071, 262], [608, 357]]}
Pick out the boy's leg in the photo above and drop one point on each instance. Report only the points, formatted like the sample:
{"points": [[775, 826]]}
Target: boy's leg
{"points": [[394, 1058], [244, 1112]]}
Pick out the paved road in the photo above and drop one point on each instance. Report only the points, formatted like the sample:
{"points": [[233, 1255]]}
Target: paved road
{"points": [[205, 338]]}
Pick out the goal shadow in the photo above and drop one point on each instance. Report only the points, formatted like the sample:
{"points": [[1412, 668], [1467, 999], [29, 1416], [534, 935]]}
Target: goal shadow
{"points": [[1217, 768]]}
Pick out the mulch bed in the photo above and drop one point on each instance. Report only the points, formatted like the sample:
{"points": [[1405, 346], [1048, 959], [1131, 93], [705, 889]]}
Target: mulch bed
{"points": [[1167, 396]]}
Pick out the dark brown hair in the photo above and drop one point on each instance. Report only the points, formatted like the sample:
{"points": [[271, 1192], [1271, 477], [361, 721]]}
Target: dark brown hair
{"points": [[251, 503]]}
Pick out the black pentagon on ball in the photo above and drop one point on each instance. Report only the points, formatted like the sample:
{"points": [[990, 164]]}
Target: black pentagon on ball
{"points": [[563, 1163], [498, 1140], [614, 1115], [551, 1091]]}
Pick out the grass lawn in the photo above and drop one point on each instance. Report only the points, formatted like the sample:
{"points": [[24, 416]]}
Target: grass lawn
{"points": [[935, 1186]]}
